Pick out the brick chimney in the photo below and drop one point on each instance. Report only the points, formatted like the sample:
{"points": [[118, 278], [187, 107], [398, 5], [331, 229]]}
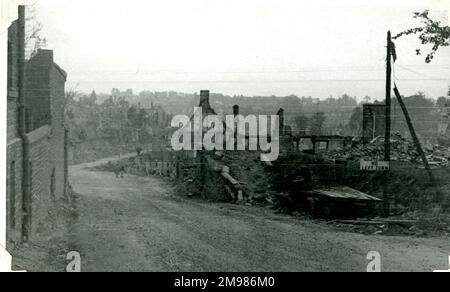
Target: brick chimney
{"points": [[204, 103], [235, 110], [281, 117], [204, 99]]}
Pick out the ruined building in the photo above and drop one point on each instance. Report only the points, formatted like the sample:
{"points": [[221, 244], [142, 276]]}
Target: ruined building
{"points": [[374, 116], [37, 173]]}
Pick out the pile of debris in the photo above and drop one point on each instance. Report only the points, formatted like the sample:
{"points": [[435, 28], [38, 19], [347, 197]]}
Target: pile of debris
{"points": [[246, 166], [402, 150], [400, 225]]}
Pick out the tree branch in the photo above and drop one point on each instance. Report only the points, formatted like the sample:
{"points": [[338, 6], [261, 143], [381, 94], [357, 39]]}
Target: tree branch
{"points": [[432, 32]]}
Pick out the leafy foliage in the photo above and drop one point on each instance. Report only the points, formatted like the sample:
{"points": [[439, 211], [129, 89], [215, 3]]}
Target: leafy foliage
{"points": [[432, 32], [33, 34], [442, 102]]}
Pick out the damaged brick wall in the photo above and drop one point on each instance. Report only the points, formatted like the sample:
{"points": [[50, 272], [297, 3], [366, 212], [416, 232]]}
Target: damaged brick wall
{"points": [[47, 142], [58, 137], [43, 100], [37, 80], [41, 171], [373, 121]]}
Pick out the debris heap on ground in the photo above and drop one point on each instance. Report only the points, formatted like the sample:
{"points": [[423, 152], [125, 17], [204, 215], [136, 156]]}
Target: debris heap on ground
{"points": [[409, 225], [402, 149], [246, 166]]}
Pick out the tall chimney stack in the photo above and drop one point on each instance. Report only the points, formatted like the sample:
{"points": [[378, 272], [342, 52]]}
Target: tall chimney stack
{"points": [[281, 116], [204, 98], [235, 110]]}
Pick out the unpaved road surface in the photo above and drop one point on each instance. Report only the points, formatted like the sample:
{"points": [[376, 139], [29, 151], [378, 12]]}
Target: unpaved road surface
{"points": [[140, 224]]}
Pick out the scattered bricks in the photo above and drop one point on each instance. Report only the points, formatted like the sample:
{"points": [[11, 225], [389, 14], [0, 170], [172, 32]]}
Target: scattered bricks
{"points": [[402, 150]]}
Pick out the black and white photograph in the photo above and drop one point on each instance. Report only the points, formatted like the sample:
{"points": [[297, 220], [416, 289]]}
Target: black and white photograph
{"points": [[209, 137]]}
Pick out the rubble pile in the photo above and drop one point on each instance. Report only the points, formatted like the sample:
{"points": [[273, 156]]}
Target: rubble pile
{"points": [[402, 150], [252, 175]]}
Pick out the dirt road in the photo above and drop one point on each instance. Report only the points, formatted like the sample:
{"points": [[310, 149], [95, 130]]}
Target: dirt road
{"points": [[139, 224]]}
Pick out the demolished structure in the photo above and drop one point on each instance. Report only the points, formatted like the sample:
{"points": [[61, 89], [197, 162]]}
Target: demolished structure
{"points": [[402, 150]]}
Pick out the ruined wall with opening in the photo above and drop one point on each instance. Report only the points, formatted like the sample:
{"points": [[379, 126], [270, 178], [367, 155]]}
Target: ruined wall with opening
{"points": [[373, 121]]}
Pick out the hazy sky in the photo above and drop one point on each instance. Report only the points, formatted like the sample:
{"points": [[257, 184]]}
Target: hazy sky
{"points": [[252, 47]]}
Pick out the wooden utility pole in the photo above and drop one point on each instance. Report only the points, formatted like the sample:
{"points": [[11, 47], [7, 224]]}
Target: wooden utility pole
{"points": [[24, 127], [413, 134], [387, 134]]}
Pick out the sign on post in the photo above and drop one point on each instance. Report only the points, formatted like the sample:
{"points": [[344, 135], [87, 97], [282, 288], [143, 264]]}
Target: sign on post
{"points": [[374, 165]]}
